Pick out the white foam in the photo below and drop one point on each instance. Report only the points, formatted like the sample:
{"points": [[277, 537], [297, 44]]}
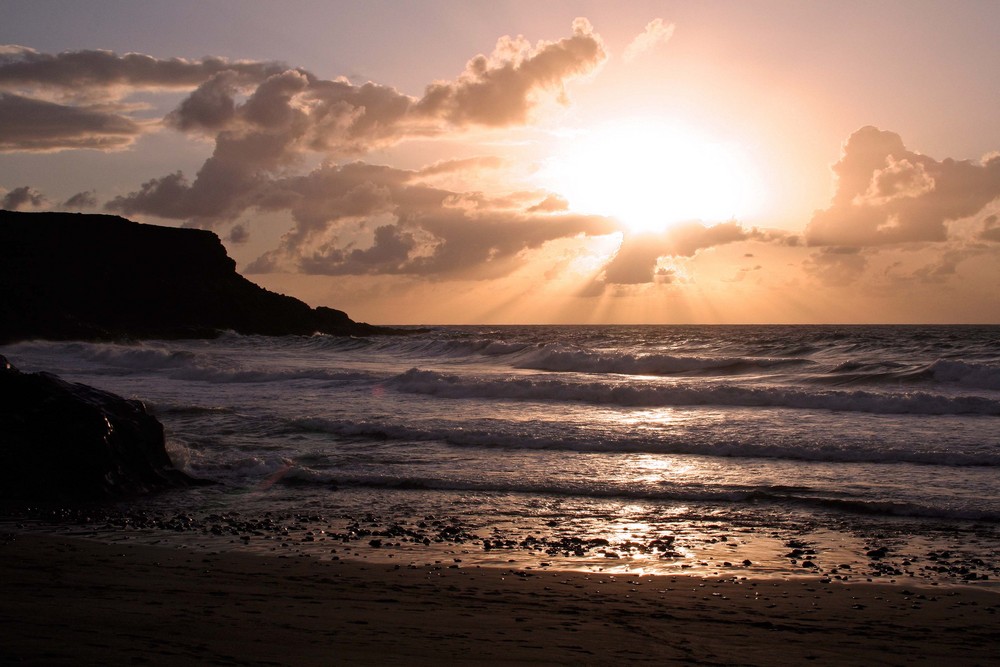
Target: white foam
{"points": [[536, 436], [558, 358], [979, 376], [692, 393]]}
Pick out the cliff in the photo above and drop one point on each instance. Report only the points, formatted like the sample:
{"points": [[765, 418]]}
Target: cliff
{"points": [[66, 276]]}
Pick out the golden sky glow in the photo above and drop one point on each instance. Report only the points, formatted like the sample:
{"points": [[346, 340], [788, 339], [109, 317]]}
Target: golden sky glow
{"points": [[434, 162]]}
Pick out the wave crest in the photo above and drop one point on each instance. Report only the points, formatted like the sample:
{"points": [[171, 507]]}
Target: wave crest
{"points": [[675, 394], [551, 358]]}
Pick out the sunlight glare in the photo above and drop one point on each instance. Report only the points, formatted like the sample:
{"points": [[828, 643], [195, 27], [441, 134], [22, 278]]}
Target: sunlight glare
{"points": [[650, 175]]}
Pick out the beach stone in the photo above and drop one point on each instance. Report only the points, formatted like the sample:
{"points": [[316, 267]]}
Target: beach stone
{"points": [[66, 441]]}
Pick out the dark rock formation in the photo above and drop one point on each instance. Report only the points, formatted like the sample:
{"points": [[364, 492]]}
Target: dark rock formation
{"points": [[66, 276], [63, 441]]}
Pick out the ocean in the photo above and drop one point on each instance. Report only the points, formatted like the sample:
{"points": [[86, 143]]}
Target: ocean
{"points": [[849, 452]]}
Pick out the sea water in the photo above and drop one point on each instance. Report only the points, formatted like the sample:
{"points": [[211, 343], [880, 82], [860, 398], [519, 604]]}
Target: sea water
{"points": [[761, 449]]}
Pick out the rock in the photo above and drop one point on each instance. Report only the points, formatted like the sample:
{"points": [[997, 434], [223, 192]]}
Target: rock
{"points": [[63, 441], [66, 276], [877, 554]]}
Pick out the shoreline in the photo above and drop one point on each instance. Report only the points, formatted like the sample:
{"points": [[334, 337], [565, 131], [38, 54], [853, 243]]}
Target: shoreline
{"points": [[80, 601], [954, 555]]}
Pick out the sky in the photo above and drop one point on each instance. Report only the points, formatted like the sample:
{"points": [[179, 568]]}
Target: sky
{"points": [[445, 162]]}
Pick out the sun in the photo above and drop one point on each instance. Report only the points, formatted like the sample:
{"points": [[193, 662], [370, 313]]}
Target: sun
{"points": [[650, 175]]}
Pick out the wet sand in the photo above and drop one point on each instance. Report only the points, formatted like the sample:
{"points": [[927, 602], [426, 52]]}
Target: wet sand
{"points": [[73, 601]]}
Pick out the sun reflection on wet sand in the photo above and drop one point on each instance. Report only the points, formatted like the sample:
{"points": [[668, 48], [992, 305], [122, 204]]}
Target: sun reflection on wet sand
{"points": [[668, 541]]}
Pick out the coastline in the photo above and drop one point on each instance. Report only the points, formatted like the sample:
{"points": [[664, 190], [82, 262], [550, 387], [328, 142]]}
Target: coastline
{"points": [[78, 601]]}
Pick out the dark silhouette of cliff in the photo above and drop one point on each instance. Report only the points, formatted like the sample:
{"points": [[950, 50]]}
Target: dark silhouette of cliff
{"points": [[69, 276]]}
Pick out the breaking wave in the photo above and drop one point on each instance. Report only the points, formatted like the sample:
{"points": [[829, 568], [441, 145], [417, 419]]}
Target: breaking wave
{"points": [[675, 493], [684, 394], [534, 436]]}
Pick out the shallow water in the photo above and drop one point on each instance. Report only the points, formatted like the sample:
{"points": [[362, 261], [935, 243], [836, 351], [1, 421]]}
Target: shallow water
{"points": [[658, 440]]}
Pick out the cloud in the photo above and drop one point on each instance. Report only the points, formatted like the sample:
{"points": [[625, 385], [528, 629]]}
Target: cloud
{"points": [[889, 194], [423, 230], [837, 266], [991, 229], [24, 197], [430, 231], [264, 118], [341, 118], [75, 100], [81, 200], [657, 32], [550, 204], [463, 165], [98, 72], [636, 260], [39, 126], [499, 90], [292, 108], [210, 107], [292, 113], [238, 234], [945, 265]]}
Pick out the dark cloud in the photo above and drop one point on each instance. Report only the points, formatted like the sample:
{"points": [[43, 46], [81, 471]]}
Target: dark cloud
{"points": [[331, 196], [238, 234], [36, 125], [990, 230], [95, 71], [342, 118], [351, 219], [837, 266], [433, 231], [389, 253], [81, 200], [73, 100], [635, 262], [889, 194], [944, 266], [464, 165], [166, 194], [24, 197], [482, 245], [426, 230], [665, 276], [292, 112], [211, 107], [550, 204]]}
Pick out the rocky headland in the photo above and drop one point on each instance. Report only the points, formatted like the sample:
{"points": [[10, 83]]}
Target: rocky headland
{"points": [[69, 276]]}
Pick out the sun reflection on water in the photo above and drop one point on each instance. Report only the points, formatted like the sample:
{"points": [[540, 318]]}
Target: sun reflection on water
{"points": [[652, 468]]}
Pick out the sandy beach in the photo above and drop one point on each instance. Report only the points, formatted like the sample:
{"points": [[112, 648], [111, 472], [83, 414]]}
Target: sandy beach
{"points": [[73, 601], [499, 333]]}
